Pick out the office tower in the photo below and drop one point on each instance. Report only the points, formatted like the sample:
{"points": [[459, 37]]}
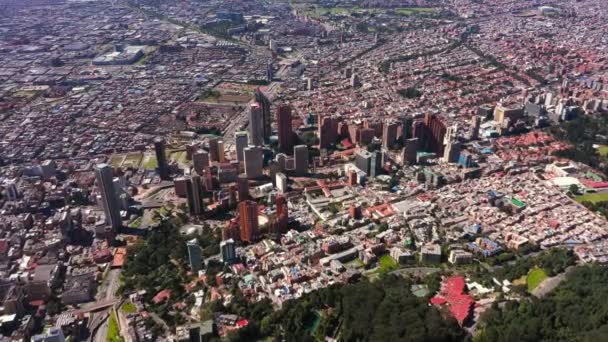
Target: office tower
{"points": [[109, 200], [465, 159], [281, 160], [451, 151], [195, 255], [254, 161], [231, 230], [180, 185], [48, 168], [243, 187], [502, 113], [284, 128], [475, 125], [256, 125], [354, 81], [214, 152], [436, 133], [240, 143], [389, 134], [265, 104], [300, 154], [200, 160], [309, 84], [248, 211], [409, 152], [282, 213], [228, 251], [12, 192], [220, 151], [53, 335], [352, 177], [161, 158], [269, 72], [369, 162], [194, 193], [327, 131], [191, 148], [451, 133], [281, 182]]}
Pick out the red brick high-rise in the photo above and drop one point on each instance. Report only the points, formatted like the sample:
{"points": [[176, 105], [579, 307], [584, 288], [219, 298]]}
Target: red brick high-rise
{"points": [[285, 129], [282, 213], [436, 133], [327, 131], [248, 211]]}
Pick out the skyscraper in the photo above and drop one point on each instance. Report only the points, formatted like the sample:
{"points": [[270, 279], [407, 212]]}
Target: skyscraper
{"points": [[241, 143], [194, 193], [256, 125], [327, 131], [254, 161], [220, 151], [436, 133], [451, 151], [409, 152], [248, 211], [200, 159], [161, 158], [195, 255], [243, 187], [228, 251], [300, 154], [282, 213], [265, 103], [284, 128], [389, 134], [475, 125], [109, 201], [214, 152]]}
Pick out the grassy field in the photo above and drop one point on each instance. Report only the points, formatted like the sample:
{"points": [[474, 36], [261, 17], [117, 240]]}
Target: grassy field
{"points": [[113, 330], [595, 198], [603, 150], [128, 308], [535, 277], [136, 223], [387, 264], [414, 10], [150, 162]]}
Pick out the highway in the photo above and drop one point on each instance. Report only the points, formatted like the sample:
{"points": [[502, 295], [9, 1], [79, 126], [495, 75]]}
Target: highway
{"points": [[98, 321]]}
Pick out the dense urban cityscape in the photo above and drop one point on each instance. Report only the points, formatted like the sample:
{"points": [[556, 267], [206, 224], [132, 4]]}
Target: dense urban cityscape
{"points": [[335, 170]]}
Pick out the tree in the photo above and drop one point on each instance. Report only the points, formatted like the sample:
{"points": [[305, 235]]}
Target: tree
{"points": [[573, 189]]}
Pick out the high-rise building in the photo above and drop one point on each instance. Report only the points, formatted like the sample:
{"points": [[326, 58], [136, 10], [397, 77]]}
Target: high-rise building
{"points": [[194, 193], [265, 104], [300, 154], [48, 169], [240, 143], [214, 151], [281, 181], [254, 161], [109, 200], [228, 251], [451, 151], [195, 255], [220, 151], [54, 334], [475, 125], [327, 131], [284, 128], [369, 162], [200, 159], [389, 134], [409, 152], [248, 211], [243, 187], [161, 158], [256, 125], [436, 133], [282, 213]]}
